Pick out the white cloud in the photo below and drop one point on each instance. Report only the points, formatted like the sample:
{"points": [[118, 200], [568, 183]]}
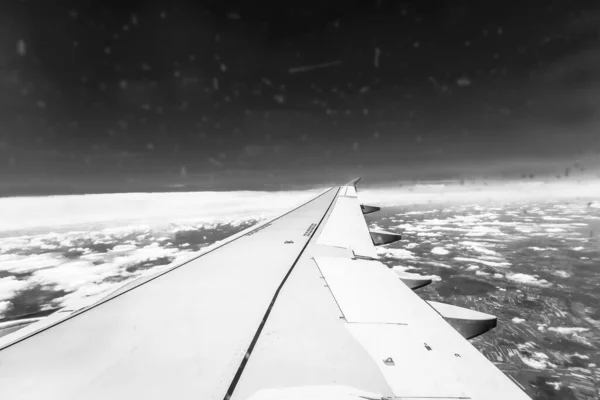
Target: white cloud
{"points": [[561, 273], [551, 218], [556, 385], [84, 276], [533, 359], [75, 275], [21, 264], [123, 248], [396, 253], [484, 262], [4, 306], [566, 331], [437, 264], [10, 286], [527, 229], [518, 320], [479, 247], [440, 251], [535, 248], [527, 279], [147, 253], [419, 212], [85, 280], [430, 234], [402, 269], [537, 360], [125, 209], [437, 222], [500, 191], [582, 356], [481, 230]]}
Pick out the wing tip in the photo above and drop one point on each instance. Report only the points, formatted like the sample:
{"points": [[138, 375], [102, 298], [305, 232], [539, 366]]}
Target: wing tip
{"points": [[353, 182]]}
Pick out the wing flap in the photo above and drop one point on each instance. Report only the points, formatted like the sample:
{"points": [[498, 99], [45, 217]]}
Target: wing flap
{"points": [[364, 290]]}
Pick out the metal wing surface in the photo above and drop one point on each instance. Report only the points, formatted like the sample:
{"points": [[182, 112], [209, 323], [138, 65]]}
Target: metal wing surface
{"points": [[296, 308]]}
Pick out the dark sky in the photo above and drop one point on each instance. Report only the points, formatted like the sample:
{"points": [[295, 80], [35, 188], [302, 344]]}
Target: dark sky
{"points": [[175, 95]]}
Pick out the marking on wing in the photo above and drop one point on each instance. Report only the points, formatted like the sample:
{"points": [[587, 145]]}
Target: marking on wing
{"points": [[255, 231], [310, 230]]}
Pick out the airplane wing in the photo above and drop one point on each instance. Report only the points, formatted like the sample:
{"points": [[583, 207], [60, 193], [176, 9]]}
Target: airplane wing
{"points": [[299, 307]]}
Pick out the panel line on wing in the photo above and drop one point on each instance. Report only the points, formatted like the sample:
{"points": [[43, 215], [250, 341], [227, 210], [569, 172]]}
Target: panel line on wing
{"points": [[240, 370], [330, 291]]}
